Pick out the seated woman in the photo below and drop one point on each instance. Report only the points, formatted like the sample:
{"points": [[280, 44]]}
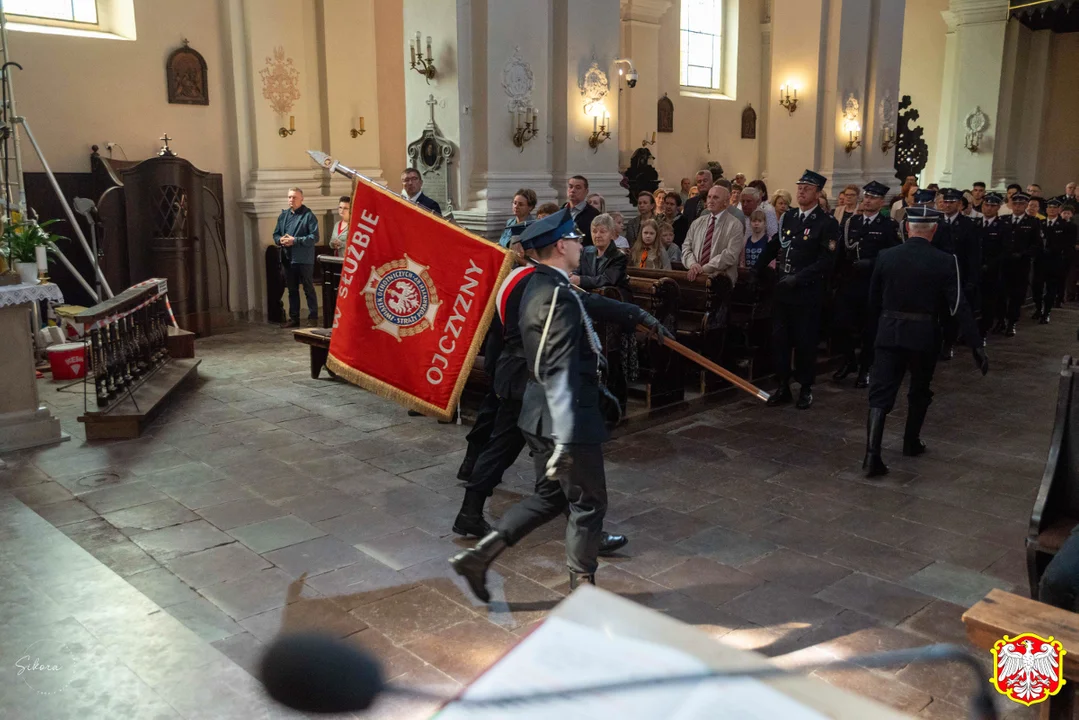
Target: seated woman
{"points": [[781, 201], [339, 236], [602, 264], [597, 201], [524, 202], [648, 251], [666, 240]]}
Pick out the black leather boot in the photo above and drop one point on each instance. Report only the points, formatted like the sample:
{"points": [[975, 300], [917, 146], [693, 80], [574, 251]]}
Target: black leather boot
{"points": [[805, 398], [873, 464], [472, 564], [467, 466], [849, 366], [1010, 332], [863, 378], [1045, 318], [912, 443], [1037, 314], [576, 578], [609, 543], [781, 396], [470, 519]]}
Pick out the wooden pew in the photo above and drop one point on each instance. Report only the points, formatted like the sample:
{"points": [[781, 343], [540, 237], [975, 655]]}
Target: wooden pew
{"points": [[702, 318], [1000, 613], [749, 327], [1056, 508], [330, 266]]}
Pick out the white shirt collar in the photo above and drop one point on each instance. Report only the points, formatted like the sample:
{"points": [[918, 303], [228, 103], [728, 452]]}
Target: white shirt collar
{"points": [[869, 218], [560, 271], [951, 218], [414, 198]]}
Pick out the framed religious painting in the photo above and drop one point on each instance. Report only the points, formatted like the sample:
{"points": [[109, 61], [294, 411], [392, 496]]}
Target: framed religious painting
{"points": [[185, 75]]}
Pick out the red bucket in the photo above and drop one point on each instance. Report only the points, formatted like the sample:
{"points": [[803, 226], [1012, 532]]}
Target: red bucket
{"points": [[68, 361]]}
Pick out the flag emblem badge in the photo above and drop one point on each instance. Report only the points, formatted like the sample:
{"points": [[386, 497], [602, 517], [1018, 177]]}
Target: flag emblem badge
{"points": [[401, 298], [1028, 668]]}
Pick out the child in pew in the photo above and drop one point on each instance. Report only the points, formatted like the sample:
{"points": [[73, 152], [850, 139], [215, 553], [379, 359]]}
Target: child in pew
{"points": [[674, 252], [648, 251], [757, 240]]}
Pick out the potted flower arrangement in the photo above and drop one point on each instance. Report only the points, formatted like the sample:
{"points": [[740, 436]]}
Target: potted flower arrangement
{"points": [[21, 241]]}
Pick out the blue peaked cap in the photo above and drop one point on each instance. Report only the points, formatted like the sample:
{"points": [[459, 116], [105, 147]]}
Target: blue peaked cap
{"points": [[549, 230]]}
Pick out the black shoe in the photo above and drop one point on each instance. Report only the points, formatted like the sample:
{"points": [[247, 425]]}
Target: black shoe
{"points": [[470, 520], [576, 578], [874, 431], [863, 381], [913, 447], [805, 399], [1036, 315], [782, 396], [1010, 332], [610, 543], [472, 564], [998, 328], [290, 324], [467, 465], [848, 368], [1044, 320], [947, 352]]}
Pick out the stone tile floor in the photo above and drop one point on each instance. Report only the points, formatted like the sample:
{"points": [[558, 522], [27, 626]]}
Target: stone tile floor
{"points": [[264, 499]]}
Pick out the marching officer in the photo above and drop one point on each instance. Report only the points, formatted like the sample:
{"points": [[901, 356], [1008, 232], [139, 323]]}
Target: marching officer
{"points": [[1026, 244], [957, 236], [922, 198], [1060, 238], [560, 414], [804, 250], [864, 237], [914, 286], [994, 234]]}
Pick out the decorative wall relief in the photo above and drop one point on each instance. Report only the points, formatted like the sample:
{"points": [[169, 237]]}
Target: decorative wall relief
{"points": [[517, 81], [749, 123], [431, 154], [594, 87], [185, 77], [280, 82], [665, 114], [976, 123]]}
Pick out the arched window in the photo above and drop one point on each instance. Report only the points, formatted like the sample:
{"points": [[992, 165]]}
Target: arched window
{"points": [[701, 23]]}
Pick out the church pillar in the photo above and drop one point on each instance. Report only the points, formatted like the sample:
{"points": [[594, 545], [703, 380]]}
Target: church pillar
{"points": [[882, 92], [973, 58], [640, 43]]}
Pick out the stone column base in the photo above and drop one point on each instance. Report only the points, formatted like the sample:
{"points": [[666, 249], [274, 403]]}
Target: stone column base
{"points": [[22, 430]]}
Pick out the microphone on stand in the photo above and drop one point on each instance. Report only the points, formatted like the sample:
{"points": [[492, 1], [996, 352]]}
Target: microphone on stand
{"points": [[320, 674]]}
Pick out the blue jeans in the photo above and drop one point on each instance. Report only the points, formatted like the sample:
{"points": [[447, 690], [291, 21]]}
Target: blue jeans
{"points": [[294, 275], [1059, 585]]}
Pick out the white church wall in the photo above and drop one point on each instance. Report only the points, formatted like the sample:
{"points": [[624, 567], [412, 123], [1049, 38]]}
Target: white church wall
{"points": [[921, 73], [1058, 154]]}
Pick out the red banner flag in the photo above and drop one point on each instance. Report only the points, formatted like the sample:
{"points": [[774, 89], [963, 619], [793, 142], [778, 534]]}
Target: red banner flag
{"points": [[415, 300]]}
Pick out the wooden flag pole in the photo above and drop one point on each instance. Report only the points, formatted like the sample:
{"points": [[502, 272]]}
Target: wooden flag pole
{"points": [[708, 365]]}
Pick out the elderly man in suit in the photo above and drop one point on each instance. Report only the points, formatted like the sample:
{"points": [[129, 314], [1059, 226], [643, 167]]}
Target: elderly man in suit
{"points": [[715, 240], [412, 182]]}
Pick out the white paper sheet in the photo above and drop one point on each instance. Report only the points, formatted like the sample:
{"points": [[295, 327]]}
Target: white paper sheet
{"points": [[561, 654]]}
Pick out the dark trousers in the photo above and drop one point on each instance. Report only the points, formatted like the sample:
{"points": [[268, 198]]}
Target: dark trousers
{"points": [[480, 434], [582, 487], [1054, 274], [796, 326], [1038, 283], [889, 367], [853, 327], [1059, 585], [294, 276], [1016, 279], [993, 305], [504, 444]]}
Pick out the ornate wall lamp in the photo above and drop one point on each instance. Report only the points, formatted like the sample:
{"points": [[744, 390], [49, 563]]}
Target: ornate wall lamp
{"points": [[887, 138], [601, 127], [526, 125], [423, 65], [646, 142], [285, 132], [356, 133], [851, 125], [789, 103]]}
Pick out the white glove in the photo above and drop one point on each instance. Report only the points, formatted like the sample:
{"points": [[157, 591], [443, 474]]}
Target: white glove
{"points": [[559, 462]]}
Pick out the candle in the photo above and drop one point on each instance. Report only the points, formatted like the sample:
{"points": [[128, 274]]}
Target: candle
{"points": [[795, 93], [418, 46], [595, 122], [535, 117], [428, 47], [42, 260], [361, 123], [412, 53], [291, 122], [653, 136]]}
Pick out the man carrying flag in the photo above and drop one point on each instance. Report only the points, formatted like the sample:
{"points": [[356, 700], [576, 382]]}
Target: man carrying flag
{"points": [[560, 413]]}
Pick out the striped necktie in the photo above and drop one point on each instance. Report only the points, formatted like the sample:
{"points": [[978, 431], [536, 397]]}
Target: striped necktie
{"points": [[706, 249]]}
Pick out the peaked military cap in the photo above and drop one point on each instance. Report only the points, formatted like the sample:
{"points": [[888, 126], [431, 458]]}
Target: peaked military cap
{"points": [[952, 195], [924, 196], [517, 230], [1054, 202], [875, 189], [550, 230], [923, 215], [992, 199], [812, 178], [1020, 197]]}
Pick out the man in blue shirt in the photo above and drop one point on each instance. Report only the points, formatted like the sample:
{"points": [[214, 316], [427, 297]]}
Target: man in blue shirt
{"points": [[296, 234]]}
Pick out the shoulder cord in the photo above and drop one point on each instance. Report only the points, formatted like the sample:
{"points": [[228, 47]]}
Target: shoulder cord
{"points": [[590, 333], [543, 337], [958, 287]]}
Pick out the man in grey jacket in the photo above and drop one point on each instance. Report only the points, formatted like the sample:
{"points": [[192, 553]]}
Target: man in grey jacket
{"points": [[296, 234]]}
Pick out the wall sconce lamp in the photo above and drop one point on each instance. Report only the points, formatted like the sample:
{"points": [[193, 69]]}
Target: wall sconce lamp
{"points": [[854, 136], [526, 126], [423, 65], [285, 132], [646, 142], [601, 128], [972, 141], [785, 99], [356, 133], [887, 138]]}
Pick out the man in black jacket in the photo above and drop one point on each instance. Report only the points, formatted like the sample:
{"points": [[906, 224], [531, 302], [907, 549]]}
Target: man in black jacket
{"points": [[412, 182], [694, 207], [994, 233], [560, 412], [956, 235], [296, 233], [1026, 244], [577, 204], [1060, 238], [914, 287]]}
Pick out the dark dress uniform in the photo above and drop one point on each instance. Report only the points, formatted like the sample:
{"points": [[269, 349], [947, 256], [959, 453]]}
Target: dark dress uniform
{"points": [[995, 237], [1060, 238], [804, 250], [1026, 244], [958, 236], [913, 288], [863, 240], [560, 416]]}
